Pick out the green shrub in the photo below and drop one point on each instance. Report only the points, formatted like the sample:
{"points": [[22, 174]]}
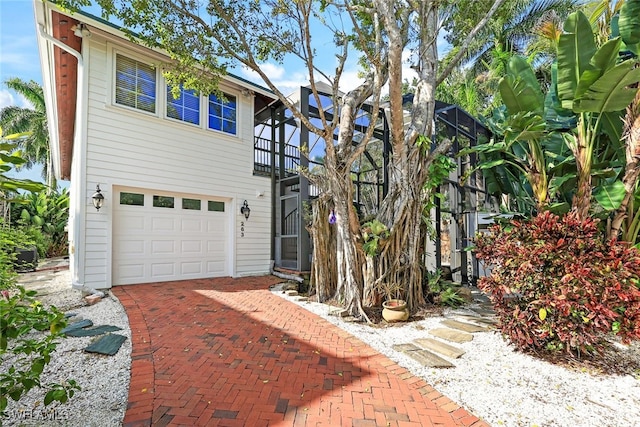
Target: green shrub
{"points": [[373, 233], [28, 331], [556, 284], [441, 292], [45, 216]]}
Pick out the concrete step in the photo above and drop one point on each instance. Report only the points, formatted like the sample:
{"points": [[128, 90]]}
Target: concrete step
{"points": [[424, 357], [463, 326], [439, 347], [451, 335]]}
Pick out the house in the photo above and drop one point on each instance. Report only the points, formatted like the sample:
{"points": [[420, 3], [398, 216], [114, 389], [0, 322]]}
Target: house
{"points": [[177, 175], [174, 173]]}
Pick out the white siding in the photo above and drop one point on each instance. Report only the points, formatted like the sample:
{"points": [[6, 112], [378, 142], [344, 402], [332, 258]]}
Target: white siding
{"points": [[131, 149]]}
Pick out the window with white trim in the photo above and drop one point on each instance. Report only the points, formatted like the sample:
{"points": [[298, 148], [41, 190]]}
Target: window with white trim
{"points": [[186, 107], [135, 84], [222, 113]]}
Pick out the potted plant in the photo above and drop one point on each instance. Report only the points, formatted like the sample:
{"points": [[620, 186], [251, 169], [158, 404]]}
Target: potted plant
{"points": [[394, 309]]}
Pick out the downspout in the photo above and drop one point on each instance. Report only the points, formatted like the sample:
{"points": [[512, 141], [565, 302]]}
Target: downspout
{"points": [[80, 131]]}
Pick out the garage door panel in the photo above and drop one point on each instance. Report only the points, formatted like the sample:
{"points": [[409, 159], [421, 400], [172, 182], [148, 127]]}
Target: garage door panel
{"points": [[189, 225], [130, 247], [215, 245], [163, 224], [191, 267], [163, 247], [215, 268], [132, 273], [163, 269], [135, 223], [217, 226], [191, 246], [160, 244]]}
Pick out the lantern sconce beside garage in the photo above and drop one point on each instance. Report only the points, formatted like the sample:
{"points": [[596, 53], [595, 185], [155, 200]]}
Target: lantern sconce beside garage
{"points": [[245, 210], [97, 198]]}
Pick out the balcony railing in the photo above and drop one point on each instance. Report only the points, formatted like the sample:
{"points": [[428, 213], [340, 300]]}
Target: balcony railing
{"points": [[262, 158]]}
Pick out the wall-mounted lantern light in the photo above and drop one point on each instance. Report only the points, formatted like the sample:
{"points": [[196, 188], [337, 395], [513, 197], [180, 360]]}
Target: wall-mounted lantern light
{"points": [[245, 210], [97, 198]]}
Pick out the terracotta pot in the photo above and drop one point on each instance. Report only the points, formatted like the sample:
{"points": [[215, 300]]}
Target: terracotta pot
{"points": [[395, 310]]}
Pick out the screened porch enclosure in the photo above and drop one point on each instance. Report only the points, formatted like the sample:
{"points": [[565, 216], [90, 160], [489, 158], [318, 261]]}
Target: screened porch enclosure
{"points": [[278, 155]]}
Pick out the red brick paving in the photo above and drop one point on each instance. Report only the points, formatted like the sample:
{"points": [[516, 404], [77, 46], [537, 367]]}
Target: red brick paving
{"points": [[227, 352]]}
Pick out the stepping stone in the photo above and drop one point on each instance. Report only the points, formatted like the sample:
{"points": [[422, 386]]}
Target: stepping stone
{"points": [[439, 347], [451, 335], [484, 311], [77, 325], [424, 357], [484, 320], [109, 344], [403, 348], [291, 293], [90, 332], [463, 326], [339, 312]]}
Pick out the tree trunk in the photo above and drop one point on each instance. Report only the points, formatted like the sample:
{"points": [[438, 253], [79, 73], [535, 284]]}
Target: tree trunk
{"points": [[324, 276], [582, 151], [349, 256], [371, 297], [632, 167]]}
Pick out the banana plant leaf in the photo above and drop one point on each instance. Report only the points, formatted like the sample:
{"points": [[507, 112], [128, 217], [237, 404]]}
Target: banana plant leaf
{"points": [[520, 89], [611, 92], [629, 22], [611, 123], [610, 196], [603, 60], [576, 47]]}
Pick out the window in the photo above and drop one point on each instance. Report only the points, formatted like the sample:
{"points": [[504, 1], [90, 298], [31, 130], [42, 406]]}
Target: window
{"points": [[135, 84], [163, 202], [131, 199], [222, 114], [192, 204], [216, 206], [186, 107]]}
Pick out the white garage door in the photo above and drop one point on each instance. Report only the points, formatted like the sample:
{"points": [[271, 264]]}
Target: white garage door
{"points": [[162, 236]]}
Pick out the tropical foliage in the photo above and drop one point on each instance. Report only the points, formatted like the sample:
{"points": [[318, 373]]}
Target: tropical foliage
{"points": [[28, 330], [29, 127], [10, 159], [47, 215], [568, 283], [557, 285], [568, 140], [522, 27]]}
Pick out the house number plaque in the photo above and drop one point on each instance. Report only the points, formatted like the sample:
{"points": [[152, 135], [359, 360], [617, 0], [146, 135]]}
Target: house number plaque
{"points": [[241, 228]]}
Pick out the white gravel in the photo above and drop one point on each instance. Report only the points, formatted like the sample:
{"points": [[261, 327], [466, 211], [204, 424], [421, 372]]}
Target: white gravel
{"points": [[104, 379], [498, 384], [505, 387]]}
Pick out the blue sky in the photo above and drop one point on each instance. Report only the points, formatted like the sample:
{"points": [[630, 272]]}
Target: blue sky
{"points": [[18, 55], [18, 47]]}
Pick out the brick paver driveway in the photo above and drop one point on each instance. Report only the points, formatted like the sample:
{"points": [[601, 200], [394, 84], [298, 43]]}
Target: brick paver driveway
{"points": [[228, 352]]}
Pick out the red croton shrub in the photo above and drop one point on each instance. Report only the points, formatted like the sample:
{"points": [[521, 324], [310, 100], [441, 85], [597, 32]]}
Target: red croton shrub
{"points": [[556, 284]]}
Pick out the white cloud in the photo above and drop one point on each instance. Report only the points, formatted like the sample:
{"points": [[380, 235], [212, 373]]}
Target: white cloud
{"points": [[285, 80], [350, 79], [6, 98]]}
